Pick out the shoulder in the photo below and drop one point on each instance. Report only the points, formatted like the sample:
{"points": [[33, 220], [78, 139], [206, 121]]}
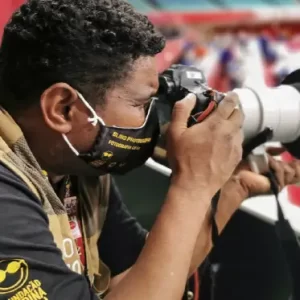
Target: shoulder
{"points": [[9, 181], [18, 203], [7, 175]]}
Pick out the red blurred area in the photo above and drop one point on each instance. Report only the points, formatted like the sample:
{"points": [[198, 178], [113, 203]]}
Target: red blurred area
{"points": [[214, 17], [7, 7], [172, 51]]}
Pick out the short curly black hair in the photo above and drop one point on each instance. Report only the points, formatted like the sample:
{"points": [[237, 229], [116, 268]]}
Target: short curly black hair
{"points": [[89, 44]]}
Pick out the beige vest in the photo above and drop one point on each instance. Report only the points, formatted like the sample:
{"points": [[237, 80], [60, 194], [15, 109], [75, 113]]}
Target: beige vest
{"points": [[93, 196]]}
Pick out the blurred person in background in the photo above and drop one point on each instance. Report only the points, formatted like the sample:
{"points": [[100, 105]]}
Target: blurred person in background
{"points": [[75, 102], [232, 56]]}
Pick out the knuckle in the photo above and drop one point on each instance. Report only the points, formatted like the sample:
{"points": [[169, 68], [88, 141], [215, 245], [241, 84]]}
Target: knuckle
{"points": [[171, 130], [212, 126], [237, 153], [170, 127], [241, 116], [286, 167], [179, 106], [228, 137], [290, 171], [238, 145], [274, 163], [297, 173], [230, 101], [173, 134], [227, 128], [233, 97], [280, 168]]}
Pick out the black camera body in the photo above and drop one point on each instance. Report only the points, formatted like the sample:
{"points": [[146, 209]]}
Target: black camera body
{"points": [[180, 80]]}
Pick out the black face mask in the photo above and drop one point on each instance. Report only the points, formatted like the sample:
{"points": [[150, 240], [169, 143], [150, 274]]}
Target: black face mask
{"points": [[118, 150]]}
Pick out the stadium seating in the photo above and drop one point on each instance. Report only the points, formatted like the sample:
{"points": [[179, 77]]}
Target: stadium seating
{"points": [[257, 3], [187, 5], [203, 5], [141, 5]]}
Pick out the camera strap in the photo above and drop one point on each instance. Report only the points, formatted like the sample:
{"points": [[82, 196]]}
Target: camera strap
{"points": [[214, 233], [287, 237]]}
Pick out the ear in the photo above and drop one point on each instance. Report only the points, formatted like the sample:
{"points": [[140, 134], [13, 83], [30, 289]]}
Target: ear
{"points": [[58, 106]]}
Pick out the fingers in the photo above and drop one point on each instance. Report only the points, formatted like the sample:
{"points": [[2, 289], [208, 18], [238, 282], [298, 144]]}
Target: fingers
{"points": [[289, 174], [278, 171], [181, 113], [295, 165], [237, 118], [285, 174], [228, 106], [239, 141], [228, 110], [243, 165]]}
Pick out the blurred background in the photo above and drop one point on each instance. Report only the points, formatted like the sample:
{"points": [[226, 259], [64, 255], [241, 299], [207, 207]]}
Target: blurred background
{"points": [[225, 37], [234, 42]]}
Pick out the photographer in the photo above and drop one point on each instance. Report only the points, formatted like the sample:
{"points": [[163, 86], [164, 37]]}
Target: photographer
{"points": [[74, 74]]}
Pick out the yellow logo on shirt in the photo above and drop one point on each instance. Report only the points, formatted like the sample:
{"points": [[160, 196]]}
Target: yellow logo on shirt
{"points": [[14, 274], [31, 291]]}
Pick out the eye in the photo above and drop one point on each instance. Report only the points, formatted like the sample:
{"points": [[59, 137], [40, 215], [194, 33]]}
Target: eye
{"points": [[145, 104]]}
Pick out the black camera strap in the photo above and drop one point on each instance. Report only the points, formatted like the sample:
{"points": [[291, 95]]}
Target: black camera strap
{"points": [[288, 239], [214, 226], [214, 232]]}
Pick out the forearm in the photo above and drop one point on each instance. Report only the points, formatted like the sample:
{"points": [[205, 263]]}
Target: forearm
{"points": [[231, 198], [163, 265]]}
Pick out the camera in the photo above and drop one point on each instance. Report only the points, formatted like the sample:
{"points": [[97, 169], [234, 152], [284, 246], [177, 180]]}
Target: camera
{"points": [[277, 108], [178, 81]]}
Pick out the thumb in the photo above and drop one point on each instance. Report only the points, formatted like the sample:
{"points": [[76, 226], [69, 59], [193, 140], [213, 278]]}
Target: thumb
{"points": [[182, 111]]}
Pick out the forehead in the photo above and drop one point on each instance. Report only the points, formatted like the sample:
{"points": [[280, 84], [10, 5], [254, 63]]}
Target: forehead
{"points": [[143, 78], [139, 85]]}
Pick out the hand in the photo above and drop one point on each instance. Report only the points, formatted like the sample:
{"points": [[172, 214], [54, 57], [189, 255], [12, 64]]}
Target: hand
{"points": [[254, 184], [287, 172], [206, 154]]}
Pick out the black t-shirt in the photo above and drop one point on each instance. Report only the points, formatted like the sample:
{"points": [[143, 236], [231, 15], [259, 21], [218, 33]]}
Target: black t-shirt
{"points": [[122, 237], [31, 266]]}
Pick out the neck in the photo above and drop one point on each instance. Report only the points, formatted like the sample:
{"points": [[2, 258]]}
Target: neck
{"points": [[54, 179]]}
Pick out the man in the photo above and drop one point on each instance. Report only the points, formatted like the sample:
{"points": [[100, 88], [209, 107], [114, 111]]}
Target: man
{"points": [[77, 77]]}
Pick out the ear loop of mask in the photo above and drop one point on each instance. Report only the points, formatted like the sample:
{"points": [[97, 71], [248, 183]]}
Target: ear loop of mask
{"points": [[93, 120]]}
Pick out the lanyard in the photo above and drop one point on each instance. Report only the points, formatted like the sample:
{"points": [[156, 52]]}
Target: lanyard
{"points": [[68, 185]]}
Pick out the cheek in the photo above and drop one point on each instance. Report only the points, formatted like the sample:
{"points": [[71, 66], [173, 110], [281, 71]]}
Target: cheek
{"points": [[126, 117], [83, 137]]}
